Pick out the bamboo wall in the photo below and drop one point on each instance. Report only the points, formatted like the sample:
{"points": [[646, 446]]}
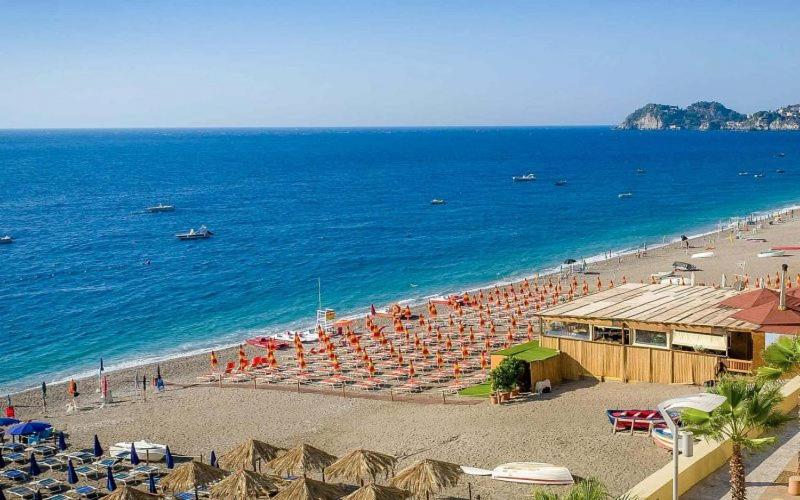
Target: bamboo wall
{"points": [[601, 360], [549, 368]]}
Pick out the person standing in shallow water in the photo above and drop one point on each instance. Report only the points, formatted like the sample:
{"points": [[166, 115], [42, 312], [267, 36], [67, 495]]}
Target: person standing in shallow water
{"points": [[72, 390]]}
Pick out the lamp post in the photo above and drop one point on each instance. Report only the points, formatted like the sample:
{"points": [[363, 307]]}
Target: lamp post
{"points": [[703, 402]]}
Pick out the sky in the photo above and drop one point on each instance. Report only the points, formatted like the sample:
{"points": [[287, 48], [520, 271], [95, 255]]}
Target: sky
{"points": [[294, 63]]}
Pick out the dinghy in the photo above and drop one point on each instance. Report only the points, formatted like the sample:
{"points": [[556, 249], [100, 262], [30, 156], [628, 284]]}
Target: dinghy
{"points": [[786, 247], [631, 420], [771, 253], [532, 473], [475, 471], [702, 255]]}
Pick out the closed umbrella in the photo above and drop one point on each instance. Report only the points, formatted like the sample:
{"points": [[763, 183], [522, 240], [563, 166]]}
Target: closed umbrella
{"points": [[72, 477], [37, 495], [98, 450], [213, 459], [111, 484], [2, 461], [168, 458], [151, 483], [34, 469], [62, 442], [134, 456]]}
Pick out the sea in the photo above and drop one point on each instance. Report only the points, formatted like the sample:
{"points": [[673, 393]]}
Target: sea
{"points": [[344, 214]]}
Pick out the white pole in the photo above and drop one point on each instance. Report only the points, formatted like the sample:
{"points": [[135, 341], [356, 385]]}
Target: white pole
{"points": [[674, 430]]}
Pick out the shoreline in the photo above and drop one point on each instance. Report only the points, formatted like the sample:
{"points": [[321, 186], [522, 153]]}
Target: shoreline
{"points": [[223, 347]]}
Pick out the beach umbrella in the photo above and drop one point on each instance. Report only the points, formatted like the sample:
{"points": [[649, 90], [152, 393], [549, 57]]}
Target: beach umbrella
{"points": [[169, 459], [37, 495], [302, 458], [249, 455], [27, 428], [72, 477], [2, 460], [378, 492], [127, 493], [62, 442], [360, 465], [212, 460], [8, 421], [190, 476], [151, 483], [34, 469], [245, 484], [2, 495], [134, 458], [98, 450], [111, 484], [427, 477], [310, 489]]}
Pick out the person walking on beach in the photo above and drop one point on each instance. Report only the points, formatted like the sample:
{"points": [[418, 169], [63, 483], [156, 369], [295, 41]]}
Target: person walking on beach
{"points": [[44, 397], [10, 412], [72, 390], [144, 387]]}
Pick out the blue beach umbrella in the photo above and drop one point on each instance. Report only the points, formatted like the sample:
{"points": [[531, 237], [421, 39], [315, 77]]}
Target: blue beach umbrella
{"points": [[62, 442], [8, 421], [72, 477], [168, 457], [134, 456], [34, 469], [2, 461], [151, 483], [27, 428], [2, 496], [37, 495], [213, 459], [111, 485], [98, 450]]}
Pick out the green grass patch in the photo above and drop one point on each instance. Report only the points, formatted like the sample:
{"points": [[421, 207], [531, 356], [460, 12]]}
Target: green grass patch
{"points": [[529, 351], [483, 390]]}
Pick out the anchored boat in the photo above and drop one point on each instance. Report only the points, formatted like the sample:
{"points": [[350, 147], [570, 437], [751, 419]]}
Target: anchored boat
{"points": [[524, 178], [5, 240], [161, 208], [201, 234]]}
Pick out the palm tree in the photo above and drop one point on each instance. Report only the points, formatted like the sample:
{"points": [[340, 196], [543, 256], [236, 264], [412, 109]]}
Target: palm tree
{"points": [[749, 409], [587, 489]]}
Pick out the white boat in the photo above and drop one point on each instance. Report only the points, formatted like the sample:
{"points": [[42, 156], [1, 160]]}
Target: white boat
{"points": [[289, 335], [662, 274], [562, 182], [437, 201], [475, 471], [758, 175], [625, 195], [161, 208], [640, 171], [524, 178], [144, 449], [771, 253], [200, 234], [532, 473], [744, 173], [5, 240], [702, 255]]}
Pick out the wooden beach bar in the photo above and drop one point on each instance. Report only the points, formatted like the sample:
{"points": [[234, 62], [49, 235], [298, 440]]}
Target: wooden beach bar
{"points": [[655, 333]]}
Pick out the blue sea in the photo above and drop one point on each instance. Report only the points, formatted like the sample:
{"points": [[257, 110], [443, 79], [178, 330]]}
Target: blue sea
{"points": [[91, 274]]}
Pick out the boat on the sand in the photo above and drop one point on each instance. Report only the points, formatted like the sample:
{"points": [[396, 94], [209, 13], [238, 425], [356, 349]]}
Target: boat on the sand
{"points": [[702, 255], [786, 247], [267, 343], [532, 473], [771, 253], [145, 450], [634, 420]]}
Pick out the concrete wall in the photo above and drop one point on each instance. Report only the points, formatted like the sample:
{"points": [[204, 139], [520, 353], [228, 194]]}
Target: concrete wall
{"points": [[708, 457]]}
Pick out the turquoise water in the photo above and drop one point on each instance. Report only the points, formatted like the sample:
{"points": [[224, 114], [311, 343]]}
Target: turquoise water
{"points": [[90, 274]]}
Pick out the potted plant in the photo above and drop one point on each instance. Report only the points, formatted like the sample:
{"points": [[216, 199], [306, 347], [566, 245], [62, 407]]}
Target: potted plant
{"points": [[504, 377]]}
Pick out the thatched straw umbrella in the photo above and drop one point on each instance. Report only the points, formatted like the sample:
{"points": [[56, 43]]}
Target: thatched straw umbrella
{"points": [[128, 493], [248, 455], [302, 458], [191, 475], [245, 484], [359, 465], [378, 492], [310, 489], [428, 476]]}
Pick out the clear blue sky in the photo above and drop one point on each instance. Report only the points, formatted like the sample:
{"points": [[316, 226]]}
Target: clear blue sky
{"points": [[173, 63]]}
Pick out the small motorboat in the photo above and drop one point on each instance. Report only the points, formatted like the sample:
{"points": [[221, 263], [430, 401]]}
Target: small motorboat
{"points": [[5, 240], [771, 253], [758, 175], [780, 171], [524, 178], [701, 255], [161, 208], [144, 450], [561, 182], [640, 171], [625, 195], [780, 155], [438, 201], [201, 234], [684, 266], [532, 473], [631, 420], [744, 173]]}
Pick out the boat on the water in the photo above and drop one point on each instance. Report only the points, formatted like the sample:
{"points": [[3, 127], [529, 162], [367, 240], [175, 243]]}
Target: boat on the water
{"points": [[161, 208], [524, 178], [532, 473], [780, 155], [744, 173], [200, 234], [5, 240], [780, 171], [771, 253], [758, 175], [640, 171], [144, 450], [625, 195], [438, 201], [702, 255], [562, 182]]}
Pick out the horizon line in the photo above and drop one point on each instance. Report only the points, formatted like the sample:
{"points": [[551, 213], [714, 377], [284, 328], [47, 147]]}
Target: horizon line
{"points": [[300, 127]]}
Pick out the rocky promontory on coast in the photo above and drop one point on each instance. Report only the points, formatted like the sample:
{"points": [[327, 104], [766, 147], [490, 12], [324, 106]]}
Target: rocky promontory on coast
{"points": [[705, 115]]}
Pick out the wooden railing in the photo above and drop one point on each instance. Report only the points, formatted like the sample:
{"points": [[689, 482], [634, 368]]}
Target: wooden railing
{"points": [[738, 365]]}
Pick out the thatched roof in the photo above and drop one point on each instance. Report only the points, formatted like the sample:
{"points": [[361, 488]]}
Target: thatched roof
{"points": [[189, 475], [310, 489], [302, 458], [378, 492], [128, 493], [362, 464], [248, 454], [245, 484], [427, 477]]}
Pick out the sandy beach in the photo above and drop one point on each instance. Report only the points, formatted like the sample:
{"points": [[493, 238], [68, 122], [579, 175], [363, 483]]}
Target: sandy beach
{"points": [[567, 428]]}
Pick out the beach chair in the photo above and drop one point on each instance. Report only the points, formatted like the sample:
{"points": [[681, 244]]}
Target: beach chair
{"points": [[81, 457], [21, 492], [88, 472], [59, 496], [43, 450], [14, 475], [126, 478], [49, 484], [51, 463], [145, 470], [13, 447], [86, 492], [114, 463], [16, 457]]}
